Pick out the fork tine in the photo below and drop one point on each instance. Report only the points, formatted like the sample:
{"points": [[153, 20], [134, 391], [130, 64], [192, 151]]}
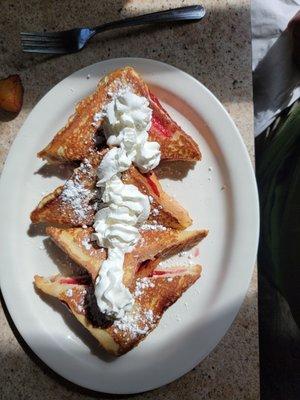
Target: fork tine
{"points": [[42, 34], [42, 42], [42, 39], [45, 50], [42, 46]]}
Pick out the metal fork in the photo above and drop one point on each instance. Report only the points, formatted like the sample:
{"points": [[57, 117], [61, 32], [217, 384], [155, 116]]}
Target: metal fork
{"points": [[73, 40]]}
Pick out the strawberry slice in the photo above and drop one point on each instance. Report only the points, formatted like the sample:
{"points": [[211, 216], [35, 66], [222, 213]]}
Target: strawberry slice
{"points": [[11, 94]]}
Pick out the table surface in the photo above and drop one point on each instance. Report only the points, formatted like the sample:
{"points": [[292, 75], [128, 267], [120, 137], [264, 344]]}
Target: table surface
{"points": [[217, 52]]}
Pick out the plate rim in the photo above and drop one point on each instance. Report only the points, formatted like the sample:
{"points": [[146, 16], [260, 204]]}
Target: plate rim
{"points": [[255, 211]]}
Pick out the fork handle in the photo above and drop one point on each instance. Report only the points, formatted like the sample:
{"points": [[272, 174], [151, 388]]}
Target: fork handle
{"points": [[188, 13]]}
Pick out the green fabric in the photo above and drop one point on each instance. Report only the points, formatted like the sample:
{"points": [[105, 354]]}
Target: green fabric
{"points": [[278, 177]]}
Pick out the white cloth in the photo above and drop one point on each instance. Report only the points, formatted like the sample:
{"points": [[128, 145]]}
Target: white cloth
{"points": [[276, 78]]}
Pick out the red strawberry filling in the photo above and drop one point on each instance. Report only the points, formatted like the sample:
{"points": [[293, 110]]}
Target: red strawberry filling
{"points": [[158, 126], [172, 271], [152, 184], [78, 280], [160, 123]]}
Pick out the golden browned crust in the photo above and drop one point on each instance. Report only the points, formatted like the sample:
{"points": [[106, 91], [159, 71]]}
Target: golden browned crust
{"points": [[70, 204], [150, 304], [175, 147], [76, 243], [76, 140]]}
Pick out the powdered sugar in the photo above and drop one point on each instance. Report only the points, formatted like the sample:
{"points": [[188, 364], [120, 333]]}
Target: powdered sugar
{"points": [[149, 315], [153, 227], [119, 89], [135, 323], [76, 195], [85, 166], [69, 293], [81, 303], [86, 243], [141, 285], [130, 325], [155, 212]]}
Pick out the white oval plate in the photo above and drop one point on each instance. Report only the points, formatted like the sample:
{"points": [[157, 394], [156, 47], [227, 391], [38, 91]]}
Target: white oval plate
{"points": [[220, 194]]}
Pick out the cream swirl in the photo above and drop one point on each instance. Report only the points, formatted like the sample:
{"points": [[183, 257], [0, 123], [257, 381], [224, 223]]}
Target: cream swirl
{"points": [[116, 224], [112, 296], [116, 228], [127, 120]]}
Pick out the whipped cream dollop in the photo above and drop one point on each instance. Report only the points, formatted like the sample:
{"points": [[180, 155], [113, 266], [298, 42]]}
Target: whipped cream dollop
{"points": [[127, 120]]}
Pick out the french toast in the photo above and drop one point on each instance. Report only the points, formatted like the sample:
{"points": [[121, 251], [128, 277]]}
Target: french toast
{"points": [[112, 216], [153, 245], [74, 203], [80, 136], [152, 295]]}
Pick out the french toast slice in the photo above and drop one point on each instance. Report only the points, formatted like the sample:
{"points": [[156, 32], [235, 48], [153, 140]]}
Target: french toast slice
{"points": [[152, 295], [71, 204], [79, 137], [153, 245], [74, 203]]}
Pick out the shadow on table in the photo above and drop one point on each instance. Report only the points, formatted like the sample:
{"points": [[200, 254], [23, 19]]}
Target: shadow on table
{"points": [[206, 377], [279, 340]]}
